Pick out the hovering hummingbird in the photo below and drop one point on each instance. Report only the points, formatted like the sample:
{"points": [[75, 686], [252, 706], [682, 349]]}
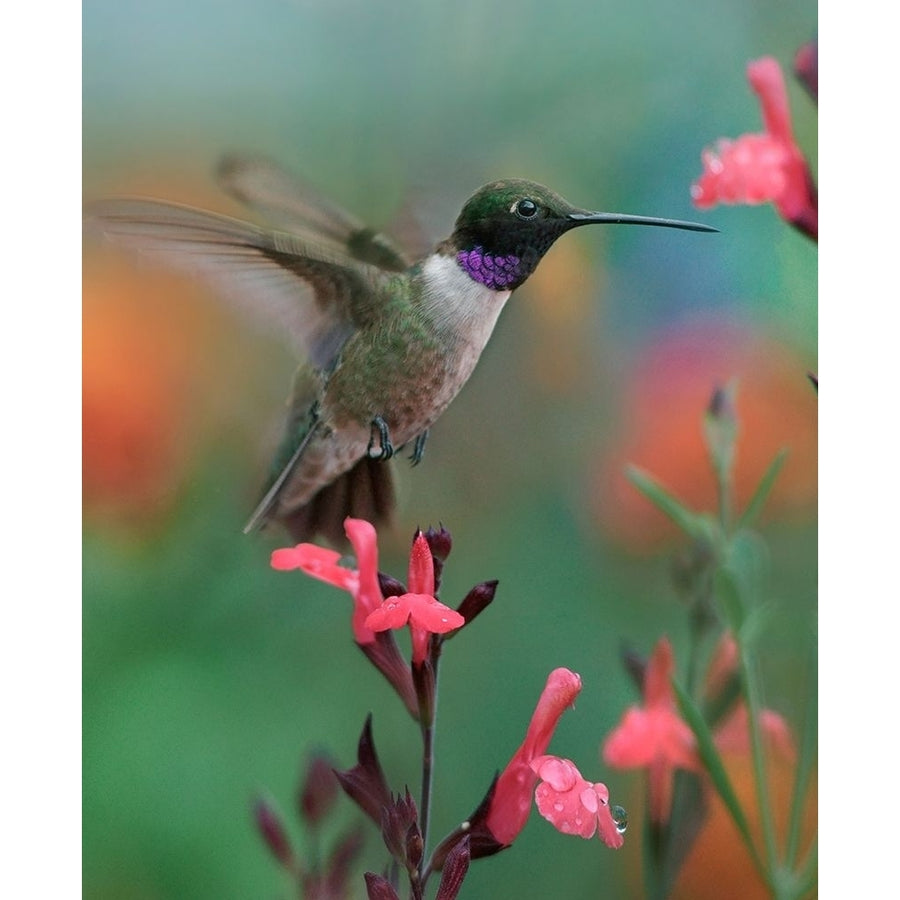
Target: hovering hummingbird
{"points": [[386, 342]]}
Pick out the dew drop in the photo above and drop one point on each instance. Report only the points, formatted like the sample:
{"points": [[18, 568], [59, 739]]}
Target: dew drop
{"points": [[620, 817], [559, 806]]}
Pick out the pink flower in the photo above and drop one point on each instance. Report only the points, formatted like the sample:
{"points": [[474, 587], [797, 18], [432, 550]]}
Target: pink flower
{"points": [[323, 564], [757, 168], [733, 735], [573, 805], [418, 607], [511, 801], [654, 736]]}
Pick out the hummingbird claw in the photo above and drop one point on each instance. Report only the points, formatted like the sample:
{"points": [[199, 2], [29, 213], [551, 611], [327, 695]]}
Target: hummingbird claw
{"points": [[419, 448], [385, 449]]}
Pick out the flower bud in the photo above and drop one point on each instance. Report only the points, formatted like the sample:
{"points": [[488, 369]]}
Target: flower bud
{"points": [[270, 826]]}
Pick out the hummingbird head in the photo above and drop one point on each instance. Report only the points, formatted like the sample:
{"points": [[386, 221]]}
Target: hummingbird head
{"points": [[506, 227]]}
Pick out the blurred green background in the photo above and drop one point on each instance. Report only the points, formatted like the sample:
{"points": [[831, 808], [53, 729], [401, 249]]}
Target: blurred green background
{"points": [[207, 677]]}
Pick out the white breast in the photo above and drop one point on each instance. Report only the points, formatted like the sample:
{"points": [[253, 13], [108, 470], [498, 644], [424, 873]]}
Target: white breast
{"points": [[459, 305]]}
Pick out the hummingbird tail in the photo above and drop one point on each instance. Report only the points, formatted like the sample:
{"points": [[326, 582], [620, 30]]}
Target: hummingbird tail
{"points": [[364, 492]]}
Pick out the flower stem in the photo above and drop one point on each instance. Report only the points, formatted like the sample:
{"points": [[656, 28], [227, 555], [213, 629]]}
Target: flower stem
{"points": [[428, 720], [803, 772], [754, 708], [427, 777]]}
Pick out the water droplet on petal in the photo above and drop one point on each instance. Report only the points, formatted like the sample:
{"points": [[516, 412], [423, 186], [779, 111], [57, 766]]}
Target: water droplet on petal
{"points": [[620, 817], [559, 806]]}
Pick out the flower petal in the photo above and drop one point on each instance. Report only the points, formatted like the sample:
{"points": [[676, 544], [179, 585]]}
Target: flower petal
{"points": [[421, 567], [393, 613], [431, 615], [365, 545], [767, 81], [562, 687], [572, 804], [511, 801], [319, 562]]}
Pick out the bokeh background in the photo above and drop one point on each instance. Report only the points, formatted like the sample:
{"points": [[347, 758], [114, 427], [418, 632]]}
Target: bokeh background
{"points": [[207, 677]]}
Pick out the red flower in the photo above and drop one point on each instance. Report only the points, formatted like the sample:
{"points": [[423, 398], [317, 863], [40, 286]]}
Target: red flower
{"points": [[511, 801], [324, 564], [418, 607], [572, 804], [756, 168], [654, 736]]}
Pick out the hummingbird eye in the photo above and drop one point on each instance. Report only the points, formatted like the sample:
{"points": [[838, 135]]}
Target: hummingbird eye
{"points": [[526, 208]]}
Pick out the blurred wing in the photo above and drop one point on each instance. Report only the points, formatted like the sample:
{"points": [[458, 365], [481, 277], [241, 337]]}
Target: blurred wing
{"points": [[290, 203], [302, 292]]}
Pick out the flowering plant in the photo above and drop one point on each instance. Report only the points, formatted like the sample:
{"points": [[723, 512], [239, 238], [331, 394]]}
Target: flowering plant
{"points": [[688, 730], [381, 605]]}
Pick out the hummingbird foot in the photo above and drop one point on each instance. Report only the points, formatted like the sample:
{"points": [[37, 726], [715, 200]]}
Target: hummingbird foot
{"points": [[385, 449], [419, 448]]}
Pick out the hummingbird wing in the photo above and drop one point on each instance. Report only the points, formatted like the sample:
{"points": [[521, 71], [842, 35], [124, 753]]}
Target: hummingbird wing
{"points": [[313, 295], [290, 203]]}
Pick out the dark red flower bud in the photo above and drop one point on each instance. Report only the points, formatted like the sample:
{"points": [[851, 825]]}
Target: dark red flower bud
{"points": [[390, 586], [398, 819], [340, 861], [414, 847], [455, 867], [635, 665], [806, 68], [365, 783], [270, 826], [440, 542], [319, 789], [478, 599], [379, 888]]}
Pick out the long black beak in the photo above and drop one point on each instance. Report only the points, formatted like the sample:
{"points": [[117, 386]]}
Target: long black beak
{"points": [[600, 218]]}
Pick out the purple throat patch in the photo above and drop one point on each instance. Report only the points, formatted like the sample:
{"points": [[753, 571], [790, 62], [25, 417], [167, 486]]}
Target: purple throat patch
{"points": [[495, 272]]}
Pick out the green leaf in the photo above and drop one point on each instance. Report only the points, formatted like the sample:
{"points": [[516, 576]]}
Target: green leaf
{"points": [[805, 763], [667, 844], [731, 603], [747, 559], [712, 763], [762, 490], [696, 525]]}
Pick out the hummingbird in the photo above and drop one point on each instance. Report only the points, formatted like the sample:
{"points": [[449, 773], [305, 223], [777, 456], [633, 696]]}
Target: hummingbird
{"points": [[386, 342]]}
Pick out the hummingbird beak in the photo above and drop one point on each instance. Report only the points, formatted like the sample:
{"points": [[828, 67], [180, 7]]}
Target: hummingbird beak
{"points": [[601, 218]]}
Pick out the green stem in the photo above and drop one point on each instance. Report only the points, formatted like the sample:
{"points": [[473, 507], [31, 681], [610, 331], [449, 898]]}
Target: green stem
{"points": [[754, 708], [804, 771], [808, 871], [723, 476], [715, 769]]}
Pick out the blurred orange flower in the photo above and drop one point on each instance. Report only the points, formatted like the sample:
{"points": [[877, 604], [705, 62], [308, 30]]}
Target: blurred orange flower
{"points": [[152, 344], [664, 400], [718, 864], [137, 357]]}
